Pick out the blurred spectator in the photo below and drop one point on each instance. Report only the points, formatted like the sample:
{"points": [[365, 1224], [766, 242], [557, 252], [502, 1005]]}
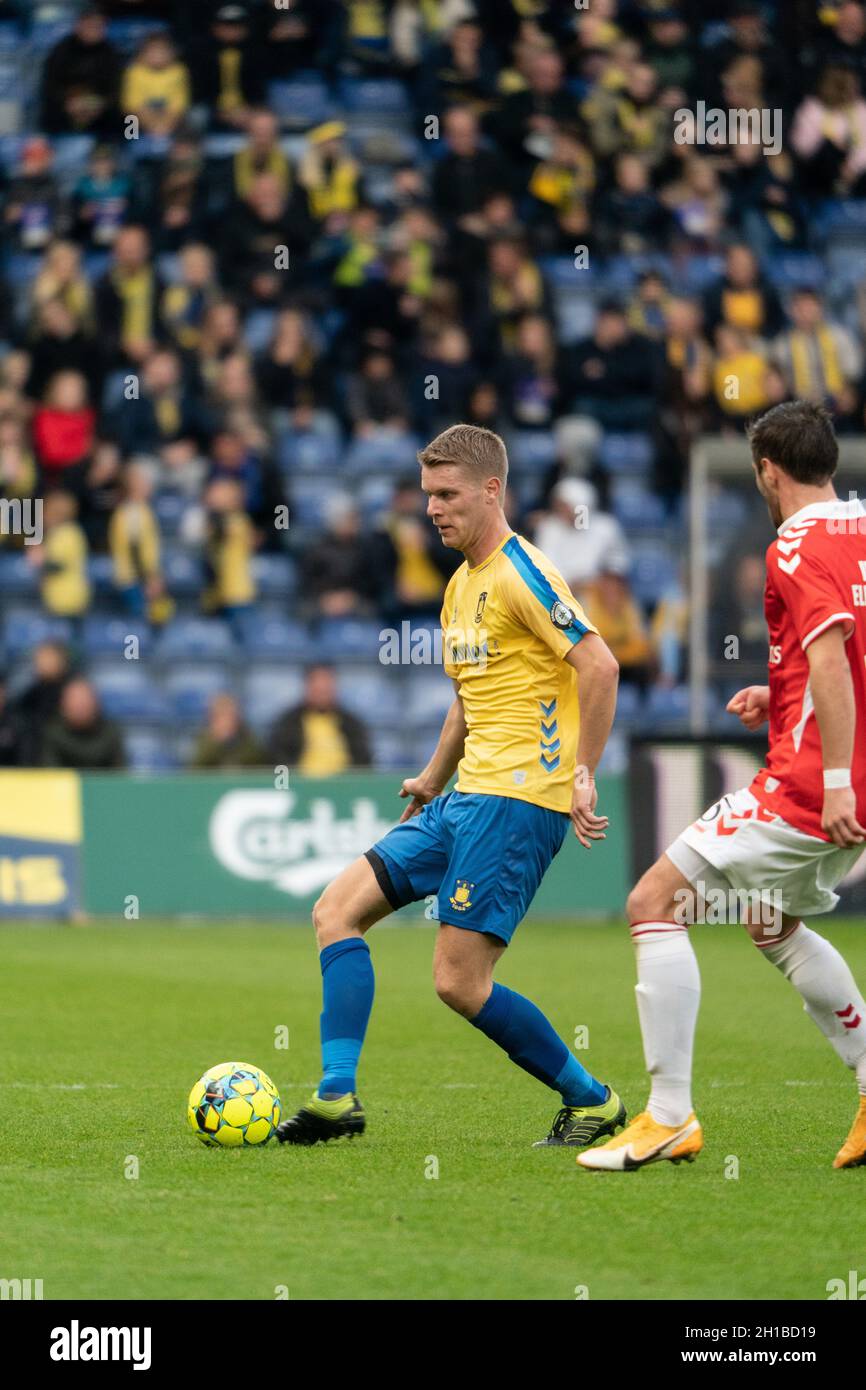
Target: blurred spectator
{"points": [[738, 613], [339, 576], [230, 544], [81, 80], [563, 180], [101, 199], [330, 176], [743, 298], [10, 734], [63, 430], [612, 376], [226, 742], [36, 209], [529, 376], [249, 245], [697, 203], [186, 301], [37, 704], [631, 219], [829, 136], [765, 197], [62, 558], [80, 736], [260, 155], [171, 194], [164, 420], [577, 536], [134, 543], [630, 120], [422, 565], [128, 298], [843, 43], [318, 736], [611, 608], [816, 358], [375, 398], [512, 287], [17, 464], [229, 68], [525, 123], [290, 374], [467, 174], [62, 279], [156, 86], [444, 379], [261, 487], [739, 375]]}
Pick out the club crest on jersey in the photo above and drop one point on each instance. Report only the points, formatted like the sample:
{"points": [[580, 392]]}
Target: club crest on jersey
{"points": [[461, 898], [479, 611], [561, 615]]}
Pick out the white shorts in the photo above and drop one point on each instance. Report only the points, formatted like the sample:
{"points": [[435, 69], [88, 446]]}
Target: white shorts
{"points": [[736, 844]]}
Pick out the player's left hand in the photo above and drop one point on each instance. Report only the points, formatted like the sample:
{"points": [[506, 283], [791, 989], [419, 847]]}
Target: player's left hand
{"points": [[587, 825], [420, 794], [839, 819]]}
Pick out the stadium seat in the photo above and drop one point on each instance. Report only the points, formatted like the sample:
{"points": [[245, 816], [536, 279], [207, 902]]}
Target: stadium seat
{"points": [[669, 708], [697, 273], [126, 691], [300, 102], [629, 706], [308, 451], [429, 696], [267, 692], [182, 572], [533, 451], [25, 628], [653, 570], [190, 690], [17, 575], [109, 636], [206, 638], [275, 639], [382, 96], [169, 507], [635, 506], [148, 750], [630, 452], [382, 450], [796, 269], [374, 694], [348, 639], [309, 497], [574, 310], [391, 753], [275, 576]]}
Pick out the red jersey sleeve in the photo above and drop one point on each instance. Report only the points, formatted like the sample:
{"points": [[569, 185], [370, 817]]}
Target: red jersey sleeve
{"points": [[812, 594]]}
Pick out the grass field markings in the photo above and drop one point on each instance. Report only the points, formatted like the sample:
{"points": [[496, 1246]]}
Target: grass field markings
{"points": [[61, 1086]]}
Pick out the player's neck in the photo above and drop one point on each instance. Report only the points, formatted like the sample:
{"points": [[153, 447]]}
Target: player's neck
{"points": [[794, 498], [476, 553]]}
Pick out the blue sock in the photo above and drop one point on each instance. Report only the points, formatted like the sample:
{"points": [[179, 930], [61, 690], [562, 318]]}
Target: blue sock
{"points": [[530, 1041], [347, 990]]}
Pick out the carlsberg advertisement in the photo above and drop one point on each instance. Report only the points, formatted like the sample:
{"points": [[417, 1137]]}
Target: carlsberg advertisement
{"points": [[259, 846]]}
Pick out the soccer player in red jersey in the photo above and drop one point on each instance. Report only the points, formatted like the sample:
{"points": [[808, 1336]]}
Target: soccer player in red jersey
{"points": [[782, 844]]}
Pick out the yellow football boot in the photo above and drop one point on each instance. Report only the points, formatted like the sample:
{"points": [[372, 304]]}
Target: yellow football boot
{"points": [[646, 1141], [853, 1151]]}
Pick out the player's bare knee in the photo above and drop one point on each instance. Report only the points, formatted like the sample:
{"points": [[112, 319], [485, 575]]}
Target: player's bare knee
{"points": [[331, 921], [462, 995]]}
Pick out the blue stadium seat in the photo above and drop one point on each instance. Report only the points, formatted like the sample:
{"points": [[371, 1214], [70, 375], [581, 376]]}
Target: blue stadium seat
{"points": [[182, 572], [429, 696], [127, 34], [697, 273], [267, 692], [629, 707], [276, 639], [630, 452], [796, 269], [17, 575], [374, 694], [205, 638], [169, 508], [307, 451], [390, 752], [103, 637], [381, 95], [100, 571], [383, 450], [653, 570], [126, 691], [533, 451], [275, 576], [635, 506], [25, 628], [667, 709], [348, 639], [71, 153], [374, 496], [46, 33], [574, 310], [190, 690], [309, 498], [148, 750], [300, 102], [560, 272]]}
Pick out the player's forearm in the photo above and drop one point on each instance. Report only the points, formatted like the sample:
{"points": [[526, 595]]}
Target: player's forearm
{"points": [[598, 686], [833, 698], [449, 750]]}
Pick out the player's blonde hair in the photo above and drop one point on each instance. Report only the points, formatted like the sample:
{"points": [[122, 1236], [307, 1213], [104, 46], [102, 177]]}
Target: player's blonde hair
{"points": [[480, 452]]}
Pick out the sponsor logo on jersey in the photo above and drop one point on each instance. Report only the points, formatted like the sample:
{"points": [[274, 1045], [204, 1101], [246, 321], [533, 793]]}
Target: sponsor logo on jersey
{"points": [[775, 655], [479, 611]]}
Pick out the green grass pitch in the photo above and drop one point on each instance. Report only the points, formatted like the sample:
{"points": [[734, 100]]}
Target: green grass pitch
{"points": [[106, 1028]]}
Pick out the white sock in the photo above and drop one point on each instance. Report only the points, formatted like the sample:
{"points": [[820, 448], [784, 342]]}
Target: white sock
{"points": [[668, 993], [830, 994]]}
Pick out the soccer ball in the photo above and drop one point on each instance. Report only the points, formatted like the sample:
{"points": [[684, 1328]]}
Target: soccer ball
{"points": [[234, 1103]]}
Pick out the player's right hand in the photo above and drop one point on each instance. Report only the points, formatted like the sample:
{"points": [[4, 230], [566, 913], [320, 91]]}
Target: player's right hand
{"points": [[420, 793], [751, 706]]}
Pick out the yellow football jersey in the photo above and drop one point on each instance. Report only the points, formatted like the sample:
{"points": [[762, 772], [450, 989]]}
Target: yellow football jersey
{"points": [[507, 626]]}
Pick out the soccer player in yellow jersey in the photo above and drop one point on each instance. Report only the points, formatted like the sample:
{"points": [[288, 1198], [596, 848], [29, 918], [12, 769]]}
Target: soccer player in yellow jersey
{"points": [[517, 647]]}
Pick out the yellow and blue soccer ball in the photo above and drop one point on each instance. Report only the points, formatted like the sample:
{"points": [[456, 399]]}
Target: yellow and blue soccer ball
{"points": [[232, 1104]]}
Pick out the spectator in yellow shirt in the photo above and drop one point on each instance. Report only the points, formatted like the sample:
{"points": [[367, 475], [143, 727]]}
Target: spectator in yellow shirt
{"points": [[230, 544], [611, 608], [133, 539], [156, 87], [62, 558], [739, 374]]}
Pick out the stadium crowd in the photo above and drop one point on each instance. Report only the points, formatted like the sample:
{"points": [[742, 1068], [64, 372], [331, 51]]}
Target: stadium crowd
{"points": [[255, 255]]}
